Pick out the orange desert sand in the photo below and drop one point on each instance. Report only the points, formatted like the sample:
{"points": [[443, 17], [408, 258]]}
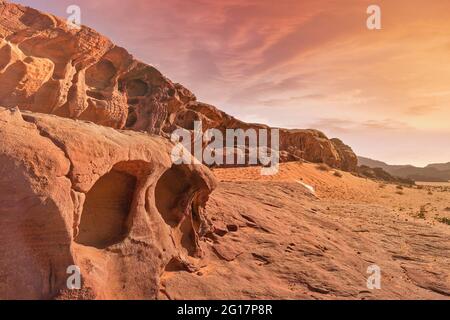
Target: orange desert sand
{"points": [[277, 240]]}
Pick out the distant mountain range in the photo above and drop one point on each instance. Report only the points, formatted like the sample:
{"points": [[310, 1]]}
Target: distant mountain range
{"points": [[437, 172]]}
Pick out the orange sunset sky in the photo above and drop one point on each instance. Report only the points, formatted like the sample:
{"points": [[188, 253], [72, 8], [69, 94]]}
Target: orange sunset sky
{"points": [[300, 64]]}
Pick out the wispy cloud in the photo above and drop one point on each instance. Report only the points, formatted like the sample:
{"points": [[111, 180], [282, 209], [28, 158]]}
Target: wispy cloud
{"points": [[421, 110], [337, 125]]}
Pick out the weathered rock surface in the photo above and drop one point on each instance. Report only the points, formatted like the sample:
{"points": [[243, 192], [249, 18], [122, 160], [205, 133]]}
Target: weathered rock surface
{"points": [[290, 244], [108, 201], [295, 144], [48, 67]]}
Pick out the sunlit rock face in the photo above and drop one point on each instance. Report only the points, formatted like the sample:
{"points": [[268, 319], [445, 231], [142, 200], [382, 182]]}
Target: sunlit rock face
{"points": [[49, 67], [109, 202]]}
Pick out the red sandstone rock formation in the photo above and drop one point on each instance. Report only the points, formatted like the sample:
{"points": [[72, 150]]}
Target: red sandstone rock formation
{"points": [[349, 160], [75, 193], [310, 145], [47, 67], [111, 202]]}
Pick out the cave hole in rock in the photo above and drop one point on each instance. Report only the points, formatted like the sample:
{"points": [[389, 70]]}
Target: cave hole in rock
{"points": [[175, 198], [106, 210], [100, 75], [172, 194], [132, 118], [187, 234], [137, 88], [95, 95], [133, 101]]}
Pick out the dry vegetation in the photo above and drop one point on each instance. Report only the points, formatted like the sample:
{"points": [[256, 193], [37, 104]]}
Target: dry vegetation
{"points": [[323, 167], [337, 174]]}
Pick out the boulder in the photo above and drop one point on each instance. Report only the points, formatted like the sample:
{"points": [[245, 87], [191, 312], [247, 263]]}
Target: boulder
{"points": [[109, 202]]}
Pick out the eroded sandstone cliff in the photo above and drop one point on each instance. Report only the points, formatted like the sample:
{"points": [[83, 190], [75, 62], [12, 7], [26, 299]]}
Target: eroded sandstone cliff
{"points": [[107, 201], [46, 66]]}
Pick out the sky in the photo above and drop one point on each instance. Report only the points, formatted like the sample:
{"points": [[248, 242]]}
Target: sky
{"points": [[300, 64]]}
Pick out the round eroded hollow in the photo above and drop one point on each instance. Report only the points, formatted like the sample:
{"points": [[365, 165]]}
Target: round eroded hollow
{"points": [[106, 210], [137, 88], [100, 75], [174, 194], [171, 193]]}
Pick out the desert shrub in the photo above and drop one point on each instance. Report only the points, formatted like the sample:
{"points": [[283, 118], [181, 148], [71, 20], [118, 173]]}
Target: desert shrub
{"points": [[444, 220], [337, 174], [421, 214], [323, 167], [400, 193]]}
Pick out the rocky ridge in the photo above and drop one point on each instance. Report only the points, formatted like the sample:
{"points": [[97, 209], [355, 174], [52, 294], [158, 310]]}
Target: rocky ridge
{"points": [[50, 67]]}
